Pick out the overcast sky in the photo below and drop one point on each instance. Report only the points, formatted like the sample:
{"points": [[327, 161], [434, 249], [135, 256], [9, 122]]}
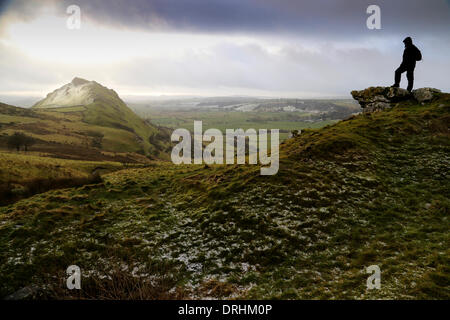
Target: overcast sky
{"points": [[281, 48]]}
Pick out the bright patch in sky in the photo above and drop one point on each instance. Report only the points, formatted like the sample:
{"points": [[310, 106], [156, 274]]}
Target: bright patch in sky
{"points": [[47, 39]]}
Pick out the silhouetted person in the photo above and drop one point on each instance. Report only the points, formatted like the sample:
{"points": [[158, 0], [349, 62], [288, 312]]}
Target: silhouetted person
{"points": [[410, 56]]}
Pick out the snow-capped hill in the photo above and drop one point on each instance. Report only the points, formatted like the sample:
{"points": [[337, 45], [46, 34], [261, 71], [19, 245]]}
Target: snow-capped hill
{"points": [[102, 107], [77, 92]]}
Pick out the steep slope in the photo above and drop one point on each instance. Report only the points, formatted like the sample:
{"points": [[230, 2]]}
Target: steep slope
{"points": [[372, 189], [100, 106]]}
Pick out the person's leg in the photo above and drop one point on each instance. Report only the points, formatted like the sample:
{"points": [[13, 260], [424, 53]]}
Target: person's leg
{"points": [[410, 77], [398, 75]]}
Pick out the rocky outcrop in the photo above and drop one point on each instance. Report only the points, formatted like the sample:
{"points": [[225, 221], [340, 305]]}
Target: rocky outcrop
{"points": [[382, 98], [424, 95]]}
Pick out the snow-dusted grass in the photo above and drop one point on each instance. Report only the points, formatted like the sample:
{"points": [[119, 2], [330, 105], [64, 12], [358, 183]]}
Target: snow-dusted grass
{"points": [[225, 231]]}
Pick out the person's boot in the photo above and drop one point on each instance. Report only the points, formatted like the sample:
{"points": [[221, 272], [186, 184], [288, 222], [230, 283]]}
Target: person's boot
{"points": [[395, 85], [409, 88]]}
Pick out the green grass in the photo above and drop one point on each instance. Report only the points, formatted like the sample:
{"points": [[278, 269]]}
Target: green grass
{"points": [[369, 190], [22, 175], [19, 167], [223, 120], [7, 119]]}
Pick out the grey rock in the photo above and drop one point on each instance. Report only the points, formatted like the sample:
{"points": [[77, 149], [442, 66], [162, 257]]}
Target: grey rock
{"points": [[379, 98], [425, 94], [382, 98]]}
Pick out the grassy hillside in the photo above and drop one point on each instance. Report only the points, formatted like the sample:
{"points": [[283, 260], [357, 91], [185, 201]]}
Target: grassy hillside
{"points": [[85, 115], [108, 110], [19, 167], [66, 152], [369, 190], [76, 133], [23, 175]]}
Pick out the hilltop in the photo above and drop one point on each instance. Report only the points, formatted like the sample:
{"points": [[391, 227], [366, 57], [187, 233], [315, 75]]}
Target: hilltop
{"points": [[372, 189], [77, 92], [101, 106], [88, 119]]}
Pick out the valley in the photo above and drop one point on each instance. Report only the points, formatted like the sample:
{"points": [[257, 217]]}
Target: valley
{"points": [[233, 112], [84, 121]]}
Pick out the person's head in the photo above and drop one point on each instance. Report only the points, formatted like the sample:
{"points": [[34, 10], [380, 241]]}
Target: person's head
{"points": [[407, 41]]}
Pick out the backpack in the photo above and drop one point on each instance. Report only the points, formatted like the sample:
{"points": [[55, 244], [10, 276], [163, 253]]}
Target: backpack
{"points": [[418, 55]]}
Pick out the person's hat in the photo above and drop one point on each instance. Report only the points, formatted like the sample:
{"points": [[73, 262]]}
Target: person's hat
{"points": [[407, 40]]}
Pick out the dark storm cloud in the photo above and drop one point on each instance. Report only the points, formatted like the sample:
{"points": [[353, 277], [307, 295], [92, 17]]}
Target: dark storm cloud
{"points": [[346, 18], [19, 10], [341, 19]]}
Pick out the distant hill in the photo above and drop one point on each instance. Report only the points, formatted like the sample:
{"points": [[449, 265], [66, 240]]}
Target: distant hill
{"points": [[317, 109], [86, 114], [77, 92]]}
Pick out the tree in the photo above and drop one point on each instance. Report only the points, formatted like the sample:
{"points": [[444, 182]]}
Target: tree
{"points": [[28, 142], [18, 139]]}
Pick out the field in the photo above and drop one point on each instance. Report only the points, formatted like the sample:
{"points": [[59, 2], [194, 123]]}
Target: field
{"points": [[19, 167], [22, 175], [222, 120], [245, 112]]}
